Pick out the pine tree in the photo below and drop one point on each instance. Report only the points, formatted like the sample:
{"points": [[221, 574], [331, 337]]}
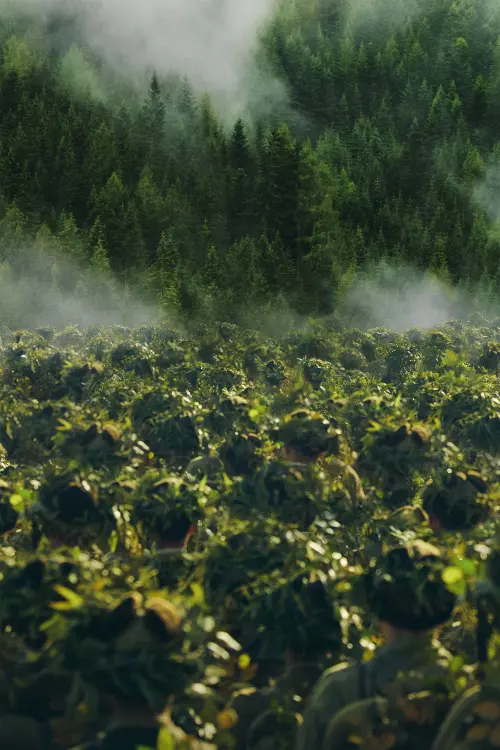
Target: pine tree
{"points": [[240, 203], [150, 206], [212, 272], [168, 260], [281, 189], [121, 225]]}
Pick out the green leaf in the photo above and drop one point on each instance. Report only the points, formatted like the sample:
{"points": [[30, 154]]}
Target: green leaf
{"points": [[449, 358], [454, 579], [452, 575], [17, 501], [73, 600], [468, 567], [228, 640], [198, 593], [165, 741]]}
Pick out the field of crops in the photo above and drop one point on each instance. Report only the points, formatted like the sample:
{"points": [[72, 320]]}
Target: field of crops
{"points": [[99, 426]]}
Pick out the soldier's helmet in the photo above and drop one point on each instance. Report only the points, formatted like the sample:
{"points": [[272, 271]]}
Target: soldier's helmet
{"points": [[309, 434], [283, 489], [167, 509], [457, 500], [405, 588], [298, 617], [241, 453], [69, 508], [134, 651], [8, 518]]}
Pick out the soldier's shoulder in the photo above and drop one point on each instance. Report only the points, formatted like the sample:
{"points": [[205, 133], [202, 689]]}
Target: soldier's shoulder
{"points": [[249, 701], [474, 718], [357, 720], [299, 679], [333, 680], [401, 721]]}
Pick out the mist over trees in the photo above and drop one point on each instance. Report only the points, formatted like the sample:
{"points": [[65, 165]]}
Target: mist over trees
{"points": [[388, 149]]}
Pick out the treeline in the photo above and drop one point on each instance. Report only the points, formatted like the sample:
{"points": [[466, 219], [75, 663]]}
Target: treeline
{"points": [[402, 163]]}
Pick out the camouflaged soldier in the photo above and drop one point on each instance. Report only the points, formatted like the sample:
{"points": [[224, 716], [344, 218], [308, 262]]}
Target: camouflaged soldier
{"points": [[456, 502], [167, 518], [474, 721], [385, 530], [300, 629], [68, 513], [136, 668], [406, 595], [308, 437], [407, 720], [22, 733]]}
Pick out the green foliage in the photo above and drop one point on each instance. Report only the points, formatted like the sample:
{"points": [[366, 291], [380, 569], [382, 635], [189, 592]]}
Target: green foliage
{"points": [[234, 215], [117, 443]]}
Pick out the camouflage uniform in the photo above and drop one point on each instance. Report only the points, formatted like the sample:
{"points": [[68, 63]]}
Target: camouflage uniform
{"points": [[255, 707], [137, 645], [126, 738], [22, 733], [406, 591], [312, 629], [474, 721], [408, 720], [343, 684]]}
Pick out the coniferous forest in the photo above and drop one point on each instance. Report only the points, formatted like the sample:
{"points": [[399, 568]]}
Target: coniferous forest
{"points": [[387, 149], [249, 378]]}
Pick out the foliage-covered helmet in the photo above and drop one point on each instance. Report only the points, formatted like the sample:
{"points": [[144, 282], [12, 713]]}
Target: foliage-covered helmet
{"points": [[241, 453], [133, 651], [205, 466], [175, 437], [68, 503], [8, 517], [297, 616], [283, 489], [309, 434], [168, 507], [395, 450], [232, 563], [458, 500], [27, 593], [406, 588], [232, 411], [94, 444]]}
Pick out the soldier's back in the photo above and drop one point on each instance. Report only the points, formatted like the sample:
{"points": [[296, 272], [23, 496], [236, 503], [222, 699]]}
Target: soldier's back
{"points": [[403, 721], [276, 727], [344, 685], [473, 722], [263, 715], [126, 738]]}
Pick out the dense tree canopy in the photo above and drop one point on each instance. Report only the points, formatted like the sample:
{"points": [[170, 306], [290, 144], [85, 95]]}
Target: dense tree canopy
{"points": [[390, 151]]}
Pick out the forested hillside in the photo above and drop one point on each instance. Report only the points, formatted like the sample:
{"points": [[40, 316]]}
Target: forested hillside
{"points": [[391, 151]]}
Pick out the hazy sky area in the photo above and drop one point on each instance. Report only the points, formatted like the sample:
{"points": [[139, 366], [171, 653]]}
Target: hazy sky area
{"points": [[209, 41]]}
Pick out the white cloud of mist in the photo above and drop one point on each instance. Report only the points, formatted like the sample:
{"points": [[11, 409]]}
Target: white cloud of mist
{"points": [[486, 193], [32, 299], [400, 298], [209, 41]]}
